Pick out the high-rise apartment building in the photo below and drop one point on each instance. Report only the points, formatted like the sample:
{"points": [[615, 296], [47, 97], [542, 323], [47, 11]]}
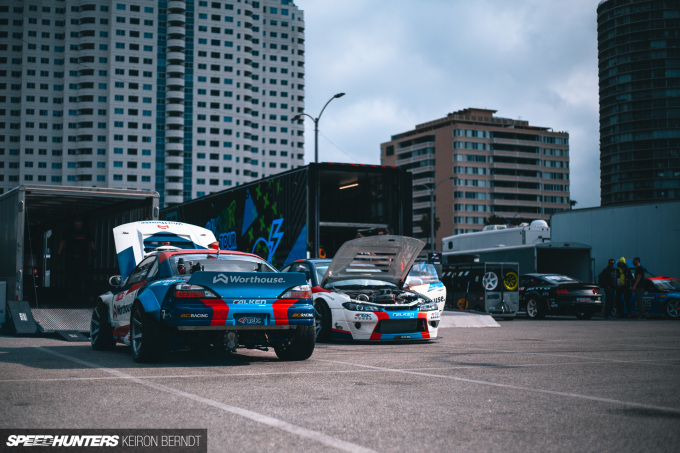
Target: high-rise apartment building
{"points": [[639, 73], [186, 97], [478, 165]]}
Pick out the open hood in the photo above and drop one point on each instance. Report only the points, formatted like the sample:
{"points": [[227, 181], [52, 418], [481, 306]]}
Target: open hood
{"points": [[383, 257], [135, 240]]}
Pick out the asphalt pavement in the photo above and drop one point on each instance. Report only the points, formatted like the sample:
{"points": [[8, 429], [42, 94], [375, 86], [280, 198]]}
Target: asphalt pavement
{"points": [[517, 386]]}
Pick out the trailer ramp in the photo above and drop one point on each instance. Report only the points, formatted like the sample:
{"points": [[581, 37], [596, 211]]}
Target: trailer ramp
{"points": [[69, 323]]}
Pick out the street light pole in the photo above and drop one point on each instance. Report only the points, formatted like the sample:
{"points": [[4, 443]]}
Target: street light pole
{"points": [[316, 125]]}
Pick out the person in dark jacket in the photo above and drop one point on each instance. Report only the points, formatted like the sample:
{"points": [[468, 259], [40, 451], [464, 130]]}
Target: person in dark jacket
{"points": [[624, 280], [607, 281], [639, 287]]}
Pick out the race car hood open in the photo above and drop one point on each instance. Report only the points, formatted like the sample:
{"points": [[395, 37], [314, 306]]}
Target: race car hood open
{"points": [[383, 257], [134, 240]]}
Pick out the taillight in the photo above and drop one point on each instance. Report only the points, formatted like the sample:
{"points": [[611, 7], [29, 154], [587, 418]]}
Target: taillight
{"points": [[187, 291], [562, 292], [297, 292], [597, 291]]}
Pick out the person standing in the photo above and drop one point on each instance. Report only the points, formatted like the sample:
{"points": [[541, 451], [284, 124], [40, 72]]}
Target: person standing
{"points": [[624, 280], [639, 287], [607, 281]]}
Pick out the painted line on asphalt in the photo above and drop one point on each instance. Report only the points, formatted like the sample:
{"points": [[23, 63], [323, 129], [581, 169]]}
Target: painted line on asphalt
{"points": [[255, 416], [571, 356], [510, 386]]}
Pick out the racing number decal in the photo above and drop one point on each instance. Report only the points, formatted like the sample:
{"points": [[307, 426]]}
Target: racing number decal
{"points": [[490, 281], [511, 281]]}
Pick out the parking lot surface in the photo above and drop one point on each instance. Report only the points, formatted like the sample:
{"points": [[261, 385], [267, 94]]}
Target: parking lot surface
{"points": [[550, 385]]}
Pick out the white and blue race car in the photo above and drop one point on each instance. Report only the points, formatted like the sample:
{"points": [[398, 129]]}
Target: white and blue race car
{"points": [[176, 289], [361, 294]]}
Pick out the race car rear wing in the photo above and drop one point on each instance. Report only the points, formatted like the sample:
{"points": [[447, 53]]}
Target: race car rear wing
{"points": [[137, 239]]}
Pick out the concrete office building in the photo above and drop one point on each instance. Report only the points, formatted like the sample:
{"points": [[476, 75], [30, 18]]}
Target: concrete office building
{"points": [[639, 73], [182, 97], [478, 165]]}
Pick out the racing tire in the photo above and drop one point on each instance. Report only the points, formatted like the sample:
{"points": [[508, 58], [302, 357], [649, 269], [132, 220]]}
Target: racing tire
{"points": [[584, 315], [101, 331], [146, 336], [323, 321], [673, 308], [534, 310], [300, 346]]}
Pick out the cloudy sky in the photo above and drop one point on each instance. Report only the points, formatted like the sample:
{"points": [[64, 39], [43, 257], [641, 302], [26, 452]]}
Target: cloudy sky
{"points": [[406, 62]]}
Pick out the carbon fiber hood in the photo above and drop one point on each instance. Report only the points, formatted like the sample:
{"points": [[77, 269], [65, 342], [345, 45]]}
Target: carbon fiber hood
{"points": [[383, 257]]}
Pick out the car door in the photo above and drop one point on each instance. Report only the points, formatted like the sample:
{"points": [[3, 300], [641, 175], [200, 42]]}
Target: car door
{"points": [[122, 302]]}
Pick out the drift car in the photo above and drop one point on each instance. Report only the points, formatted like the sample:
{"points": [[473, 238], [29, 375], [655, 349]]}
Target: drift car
{"points": [[183, 293], [662, 297], [361, 295], [422, 278]]}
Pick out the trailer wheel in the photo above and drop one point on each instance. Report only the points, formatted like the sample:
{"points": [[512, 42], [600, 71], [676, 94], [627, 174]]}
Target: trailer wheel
{"points": [[300, 346], [534, 310], [101, 332], [146, 339]]}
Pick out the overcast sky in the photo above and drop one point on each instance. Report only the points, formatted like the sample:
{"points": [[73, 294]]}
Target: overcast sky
{"points": [[406, 62]]}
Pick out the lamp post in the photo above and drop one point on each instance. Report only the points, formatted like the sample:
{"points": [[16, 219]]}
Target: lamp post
{"points": [[316, 125], [432, 190]]}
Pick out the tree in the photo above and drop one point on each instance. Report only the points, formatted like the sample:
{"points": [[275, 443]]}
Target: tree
{"points": [[425, 224]]}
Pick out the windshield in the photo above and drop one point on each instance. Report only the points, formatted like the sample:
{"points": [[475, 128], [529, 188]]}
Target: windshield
{"points": [[320, 270], [422, 274], [187, 264], [560, 279], [667, 285]]}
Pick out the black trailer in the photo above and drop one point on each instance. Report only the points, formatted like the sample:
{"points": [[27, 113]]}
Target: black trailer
{"points": [[309, 211], [37, 234]]}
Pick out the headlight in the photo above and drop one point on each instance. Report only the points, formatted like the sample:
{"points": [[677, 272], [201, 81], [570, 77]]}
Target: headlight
{"points": [[353, 306], [298, 292], [185, 290], [430, 306]]}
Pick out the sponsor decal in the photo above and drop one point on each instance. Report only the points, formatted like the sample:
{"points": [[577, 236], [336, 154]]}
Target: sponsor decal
{"points": [[403, 315], [123, 309], [256, 279], [250, 321], [435, 315], [194, 315], [303, 315], [250, 301], [439, 299], [402, 337], [363, 317]]}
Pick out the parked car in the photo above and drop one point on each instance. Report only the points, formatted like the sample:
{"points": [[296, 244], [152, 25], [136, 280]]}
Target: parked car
{"points": [[556, 294], [182, 293], [422, 278], [662, 297], [361, 294]]}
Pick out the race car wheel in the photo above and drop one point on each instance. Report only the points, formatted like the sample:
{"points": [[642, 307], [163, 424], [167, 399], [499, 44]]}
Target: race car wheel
{"points": [[145, 336], [300, 346], [673, 308], [101, 332], [584, 315], [534, 310], [322, 318]]}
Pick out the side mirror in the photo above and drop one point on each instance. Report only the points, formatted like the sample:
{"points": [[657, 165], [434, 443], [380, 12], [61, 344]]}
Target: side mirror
{"points": [[116, 280]]}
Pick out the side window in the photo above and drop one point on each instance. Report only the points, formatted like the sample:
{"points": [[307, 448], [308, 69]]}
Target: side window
{"points": [[142, 270]]}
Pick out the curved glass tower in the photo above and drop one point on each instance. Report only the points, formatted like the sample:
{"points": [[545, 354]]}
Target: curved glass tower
{"points": [[639, 75]]}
